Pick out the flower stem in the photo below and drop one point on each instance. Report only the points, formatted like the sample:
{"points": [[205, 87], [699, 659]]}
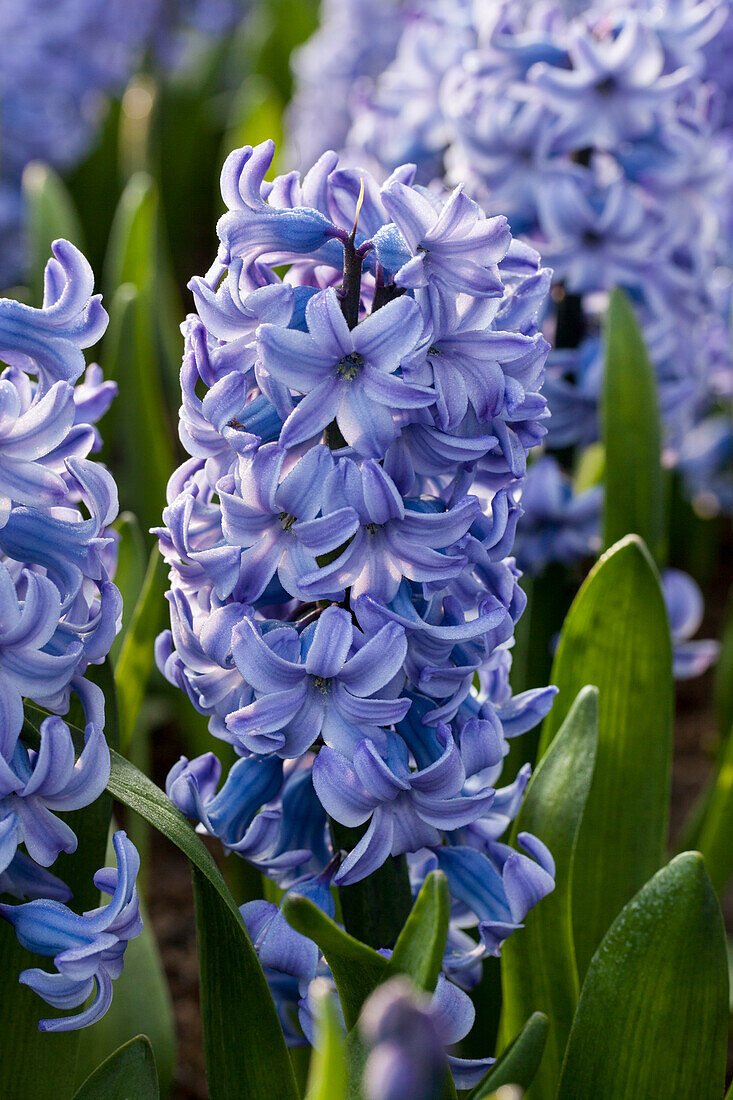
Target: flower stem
{"points": [[375, 909]]}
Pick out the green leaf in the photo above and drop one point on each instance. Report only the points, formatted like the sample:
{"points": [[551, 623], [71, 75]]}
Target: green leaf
{"points": [[244, 1045], [255, 116], [128, 1074], [141, 439], [717, 826], [327, 1077], [519, 1062], [130, 571], [653, 1012], [135, 348], [616, 636], [131, 247], [538, 965], [420, 945], [590, 468], [50, 214], [136, 658], [357, 969], [631, 432]]}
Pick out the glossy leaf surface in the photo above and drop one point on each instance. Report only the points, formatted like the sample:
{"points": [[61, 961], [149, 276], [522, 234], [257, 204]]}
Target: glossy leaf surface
{"points": [[616, 636]]}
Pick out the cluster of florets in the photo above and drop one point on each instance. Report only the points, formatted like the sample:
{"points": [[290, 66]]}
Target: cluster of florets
{"points": [[59, 610], [86, 50], [361, 388], [597, 132]]}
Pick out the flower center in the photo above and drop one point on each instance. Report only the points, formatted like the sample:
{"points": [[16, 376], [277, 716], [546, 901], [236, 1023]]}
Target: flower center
{"points": [[286, 520], [606, 87], [591, 238], [323, 684], [350, 366]]}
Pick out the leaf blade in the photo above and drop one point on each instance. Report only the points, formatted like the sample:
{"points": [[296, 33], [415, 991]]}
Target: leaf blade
{"points": [[519, 1062], [653, 1013], [634, 502], [357, 969], [717, 827], [420, 946], [327, 1076], [136, 658], [538, 966], [616, 636], [130, 1071], [50, 214]]}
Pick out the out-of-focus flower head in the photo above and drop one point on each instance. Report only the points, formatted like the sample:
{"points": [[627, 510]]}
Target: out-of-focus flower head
{"points": [[87, 52], [596, 128]]}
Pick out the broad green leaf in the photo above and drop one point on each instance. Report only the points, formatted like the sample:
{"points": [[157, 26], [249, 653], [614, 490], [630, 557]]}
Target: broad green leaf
{"points": [[128, 1074], [357, 969], [141, 439], [538, 967], [50, 214], [631, 432], [281, 26], [136, 659], [130, 571], [244, 1047], [327, 1077], [94, 185], [716, 832], [652, 1018], [616, 636], [519, 1062], [420, 945]]}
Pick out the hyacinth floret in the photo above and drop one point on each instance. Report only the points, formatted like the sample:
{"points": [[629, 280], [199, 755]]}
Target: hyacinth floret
{"points": [[339, 539]]}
